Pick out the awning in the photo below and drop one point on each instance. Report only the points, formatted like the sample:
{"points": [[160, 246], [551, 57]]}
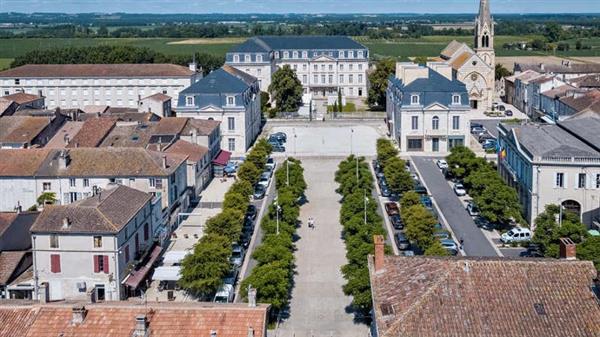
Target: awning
{"points": [[222, 158], [174, 256], [171, 273], [136, 276]]}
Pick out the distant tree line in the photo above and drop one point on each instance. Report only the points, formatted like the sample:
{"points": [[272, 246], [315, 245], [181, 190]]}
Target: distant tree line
{"points": [[112, 55]]}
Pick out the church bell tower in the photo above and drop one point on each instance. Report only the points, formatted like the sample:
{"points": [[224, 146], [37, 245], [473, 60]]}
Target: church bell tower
{"points": [[484, 34]]}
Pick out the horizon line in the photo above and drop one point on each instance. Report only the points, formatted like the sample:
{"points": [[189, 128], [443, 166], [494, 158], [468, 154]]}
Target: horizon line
{"points": [[307, 13]]}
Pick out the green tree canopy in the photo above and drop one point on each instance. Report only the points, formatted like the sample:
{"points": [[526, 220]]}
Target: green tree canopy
{"points": [[249, 172], [409, 199], [398, 178], [501, 71], [272, 284], [228, 223], [236, 201], [385, 151], [202, 271], [286, 90], [548, 232], [242, 187], [378, 80], [436, 249], [47, 198], [589, 250], [420, 225]]}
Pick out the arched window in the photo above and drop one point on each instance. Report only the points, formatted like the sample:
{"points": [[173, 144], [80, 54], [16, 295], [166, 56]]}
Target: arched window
{"points": [[435, 123], [483, 41]]}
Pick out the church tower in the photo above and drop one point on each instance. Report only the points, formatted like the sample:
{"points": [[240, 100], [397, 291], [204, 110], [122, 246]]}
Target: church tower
{"points": [[484, 34]]}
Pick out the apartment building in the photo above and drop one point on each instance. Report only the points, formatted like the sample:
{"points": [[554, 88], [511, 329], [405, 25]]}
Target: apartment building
{"points": [[323, 64], [86, 250], [554, 164], [427, 110], [80, 85], [231, 97]]}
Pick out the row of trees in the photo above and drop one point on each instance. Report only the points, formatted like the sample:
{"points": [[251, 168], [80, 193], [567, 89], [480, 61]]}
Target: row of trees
{"points": [[497, 202], [107, 54], [397, 176], [285, 90], [273, 275], [203, 271], [360, 222]]}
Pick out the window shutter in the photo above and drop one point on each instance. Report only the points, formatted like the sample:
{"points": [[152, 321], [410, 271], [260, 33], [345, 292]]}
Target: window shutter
{"points": [[105, 257], [127, 254], [146, 234], [55, 263], [96, 264]]}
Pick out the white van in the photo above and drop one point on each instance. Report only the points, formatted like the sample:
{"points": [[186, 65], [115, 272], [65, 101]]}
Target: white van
{"points": [[225, 294], [517, 234]]}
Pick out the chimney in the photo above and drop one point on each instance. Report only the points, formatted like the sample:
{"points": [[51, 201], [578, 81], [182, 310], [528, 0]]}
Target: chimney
{"points": [[379, 252], [141, 326], [79, 313], [213, 333], [65, 223], [252, 297], [542, 67], [193, 66], [67, 139], [567, 249], [250, 332], [408, 72], [43, 293], [63, 159], [194, 136], [164, 162]]}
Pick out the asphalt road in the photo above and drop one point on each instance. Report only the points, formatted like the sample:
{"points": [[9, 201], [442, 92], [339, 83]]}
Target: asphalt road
{"points": [[475, 243], [490, 124]]}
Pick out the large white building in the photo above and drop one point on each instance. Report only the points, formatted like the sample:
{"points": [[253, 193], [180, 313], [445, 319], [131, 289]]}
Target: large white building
{"points": [[427, 109], [323, 64], [80, 85], [554, 164], [86, 250]]}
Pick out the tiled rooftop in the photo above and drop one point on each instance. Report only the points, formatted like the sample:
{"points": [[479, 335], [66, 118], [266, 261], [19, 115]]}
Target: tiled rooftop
{"points": [[97, 70]]}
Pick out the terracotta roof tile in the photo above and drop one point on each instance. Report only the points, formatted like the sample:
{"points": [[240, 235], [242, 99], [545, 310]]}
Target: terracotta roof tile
{"points": [[98, 70], [22, 98], [9, 261], [160, 97], [21, 162], [22, 129], [93, 132], [66, 132], [205, 127], [107, 212], [582, 102], [491, 297], [450, 49], [5, 105], [118, 320], [460, 60], [194, 152]]}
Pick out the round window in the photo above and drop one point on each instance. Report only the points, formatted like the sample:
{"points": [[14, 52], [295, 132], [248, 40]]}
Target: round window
{"points": [[474, 77]]}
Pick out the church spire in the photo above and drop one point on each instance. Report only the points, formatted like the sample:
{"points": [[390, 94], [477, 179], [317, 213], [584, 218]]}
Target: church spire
{"points": [[484, 11]]}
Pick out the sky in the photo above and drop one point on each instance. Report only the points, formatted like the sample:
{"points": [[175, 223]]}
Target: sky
{"points": [[298, 6]]}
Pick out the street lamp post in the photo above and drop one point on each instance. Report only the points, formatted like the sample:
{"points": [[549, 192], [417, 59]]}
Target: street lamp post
{"points": [[287, 171], [277, 210], [357, 170], [351, 145], [366, 200]]}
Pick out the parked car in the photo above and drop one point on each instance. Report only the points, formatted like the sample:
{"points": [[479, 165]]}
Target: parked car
{"points": [[478, 130], [472, 209], [385, 191], [501, 108], [442, 164], [237, 255], [401, 241], [450, 246], [426, 201], [376, 166], [533, 250], [231, 277], [517, 234], [277, 148], [489, 144], [248, 226], [251, 212], [508, 113], [483, 223], [224, 294], [441, 235], [271, 163], [280, 136], [476, 125], [420, 189], [396, 221], [259, 192], [392, 208], [408, 253], [230, 168], [265, 179], [459, 190]]}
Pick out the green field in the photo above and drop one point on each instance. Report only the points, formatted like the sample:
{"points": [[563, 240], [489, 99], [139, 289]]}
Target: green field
{"points": [[400, 48]]}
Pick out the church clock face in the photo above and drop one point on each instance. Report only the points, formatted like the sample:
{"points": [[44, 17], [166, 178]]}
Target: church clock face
{"points": [[473, 77]]}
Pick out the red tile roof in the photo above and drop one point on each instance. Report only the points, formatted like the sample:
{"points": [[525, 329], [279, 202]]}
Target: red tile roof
{"points": [[9, 261], [21, 162], [22, 98], [160, 97], [484, 297], [98, 70], [92, 132], [117, 319], [222, 158], [194, 152], [22, 129]]}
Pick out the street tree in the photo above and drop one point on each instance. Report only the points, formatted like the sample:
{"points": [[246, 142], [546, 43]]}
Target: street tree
{"points": [[272, 284], [385, 151], [589, 250], [228, 223], [242, 187], [410, 198], [286, 90], [237, 201], [436, 249], [202, 271], [499, 203], [420, 225], [501, 72], [249, 172], [548, 231], [378, 80], [398, 178]]}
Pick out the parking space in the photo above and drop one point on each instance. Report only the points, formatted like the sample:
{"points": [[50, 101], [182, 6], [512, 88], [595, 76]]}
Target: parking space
{"points": [[453, 209]]}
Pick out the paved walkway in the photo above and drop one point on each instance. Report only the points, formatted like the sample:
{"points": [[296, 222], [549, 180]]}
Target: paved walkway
{"points": [[318, 305], [475, 243]]}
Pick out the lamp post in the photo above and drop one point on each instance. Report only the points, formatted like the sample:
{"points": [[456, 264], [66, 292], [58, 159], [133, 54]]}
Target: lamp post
{"points": [[351, 145], [357, 170], [366, 200], [277, 210], [287, 171]]}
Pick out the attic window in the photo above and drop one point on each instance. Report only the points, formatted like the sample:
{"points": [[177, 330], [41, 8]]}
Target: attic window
{"points": [[189, 101], [539, 308], [414, 99], [386, 309]]}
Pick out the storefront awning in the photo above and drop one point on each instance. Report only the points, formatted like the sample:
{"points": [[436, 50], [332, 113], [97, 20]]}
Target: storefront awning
{"points": [[174, 256], [136, 276], [171, 273], [222, 158]]}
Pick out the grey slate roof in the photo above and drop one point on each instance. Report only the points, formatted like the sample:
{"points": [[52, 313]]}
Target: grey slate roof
{"points": [[434, 89], [586, 128], [551, 141], [218, 81], [269, 43]]}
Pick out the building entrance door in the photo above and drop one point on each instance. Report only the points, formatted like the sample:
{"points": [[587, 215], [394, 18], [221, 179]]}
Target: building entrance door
{"points": [[435, 144]]}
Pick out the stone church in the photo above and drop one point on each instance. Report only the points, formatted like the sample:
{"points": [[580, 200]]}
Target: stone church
{"points": [[476, 67]]}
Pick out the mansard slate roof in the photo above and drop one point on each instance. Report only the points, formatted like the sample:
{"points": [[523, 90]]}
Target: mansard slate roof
{"points": [[118, 319], [222, 80], [269, 43], [434, 89], [484, 297], [106, 212]]}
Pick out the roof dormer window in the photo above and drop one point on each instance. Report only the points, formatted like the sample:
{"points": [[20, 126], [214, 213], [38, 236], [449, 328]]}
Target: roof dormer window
{"points": [[247, 58], [414, 99], [351, 54], [286, 55], [295, 54], [304, 54], [456, 99], [230, 100], [259, 58], [236, 58], [360, 54], [189, 101]]}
